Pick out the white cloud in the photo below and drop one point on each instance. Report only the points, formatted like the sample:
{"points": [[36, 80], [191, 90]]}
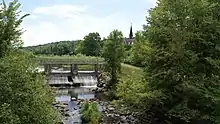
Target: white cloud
{"points": [[61, 10], [70, 22]]}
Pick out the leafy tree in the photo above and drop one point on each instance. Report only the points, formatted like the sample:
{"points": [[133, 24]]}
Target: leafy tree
{"points": [[9, 25], [78, 47], [91, 44], [25, 97], [140, 49], [113, 52], [183, 66]]}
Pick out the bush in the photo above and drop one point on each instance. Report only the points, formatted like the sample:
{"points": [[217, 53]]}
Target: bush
{"points": [[90, 113], [25, 96]]}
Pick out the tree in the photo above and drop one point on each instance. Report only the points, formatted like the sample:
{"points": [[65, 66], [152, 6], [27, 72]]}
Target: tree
{"points": [[78, 47], [55, 48], [9, 25], [140, 49], [113, 52], [91, 44], [183, 66], [25, 97]]}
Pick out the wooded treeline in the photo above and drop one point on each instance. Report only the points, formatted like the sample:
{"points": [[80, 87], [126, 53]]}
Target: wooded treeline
{"points": [[55, 48], [93, 45], [90, 46]]}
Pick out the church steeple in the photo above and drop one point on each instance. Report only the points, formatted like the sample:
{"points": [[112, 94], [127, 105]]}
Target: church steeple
{"points": [[131, 33]]}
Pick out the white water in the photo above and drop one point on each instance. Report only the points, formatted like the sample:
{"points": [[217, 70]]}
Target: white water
{"points": [[59, 80], [59, 71], [86, 80]]}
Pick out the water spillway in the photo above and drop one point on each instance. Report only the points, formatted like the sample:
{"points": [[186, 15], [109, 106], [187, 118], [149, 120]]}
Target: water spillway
{"points": [[72, 86], [83, 79], [55, 80], [86, 80]]}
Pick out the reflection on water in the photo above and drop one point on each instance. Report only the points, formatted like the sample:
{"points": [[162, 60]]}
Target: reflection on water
{"points": [[86, 96], [87, 80], [65, 96]]}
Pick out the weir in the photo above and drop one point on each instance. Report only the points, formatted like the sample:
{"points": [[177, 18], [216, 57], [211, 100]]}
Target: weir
{"points": [[71, 76], [77, 80]]}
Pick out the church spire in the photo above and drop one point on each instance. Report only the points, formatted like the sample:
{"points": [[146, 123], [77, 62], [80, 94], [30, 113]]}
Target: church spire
{"points": [[131, 33]]}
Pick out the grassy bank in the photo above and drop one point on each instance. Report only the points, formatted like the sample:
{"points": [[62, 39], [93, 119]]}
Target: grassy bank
{"points": [[131, 72], [131, 88], [69, 58]]}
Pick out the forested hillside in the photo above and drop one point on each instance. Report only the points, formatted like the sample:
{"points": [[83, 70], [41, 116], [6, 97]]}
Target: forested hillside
{"points": [[90, 45], [55, 48]]}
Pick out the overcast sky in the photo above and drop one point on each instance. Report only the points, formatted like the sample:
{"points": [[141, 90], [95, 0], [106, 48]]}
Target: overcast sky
{"points": [[55, 20]]}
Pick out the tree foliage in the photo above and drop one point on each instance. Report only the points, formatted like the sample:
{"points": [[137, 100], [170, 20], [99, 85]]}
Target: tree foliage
{"points": [[131, 88], [183, 66], [113, 53], [91, 44], [139, 51], [56, 48], [10, 21], [78, 47], [25, 97]]}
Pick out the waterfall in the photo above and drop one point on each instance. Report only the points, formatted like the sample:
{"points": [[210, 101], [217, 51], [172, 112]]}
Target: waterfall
{"points": [[86, 80], [59, 80]]}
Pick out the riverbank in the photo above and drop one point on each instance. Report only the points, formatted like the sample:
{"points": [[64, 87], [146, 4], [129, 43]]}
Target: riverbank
{"points": [[69, 100]]}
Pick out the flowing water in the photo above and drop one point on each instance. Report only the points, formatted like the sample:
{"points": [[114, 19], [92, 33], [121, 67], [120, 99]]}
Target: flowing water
{"points": [[87, 81], [65, 96]]}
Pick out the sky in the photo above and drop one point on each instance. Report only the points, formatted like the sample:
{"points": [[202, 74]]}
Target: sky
{"points": [[57, 20]]}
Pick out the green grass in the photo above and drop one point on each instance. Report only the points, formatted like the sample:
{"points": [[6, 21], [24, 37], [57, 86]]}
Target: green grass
{"points": [[69, 59], [131, 72], [132, 88], [86, 67]]}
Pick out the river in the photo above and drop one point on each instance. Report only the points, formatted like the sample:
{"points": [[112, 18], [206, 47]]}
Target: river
{"points": [[71, 95]]}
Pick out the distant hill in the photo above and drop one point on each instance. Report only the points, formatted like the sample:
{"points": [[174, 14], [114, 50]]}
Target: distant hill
{"points": [[54, 48]]}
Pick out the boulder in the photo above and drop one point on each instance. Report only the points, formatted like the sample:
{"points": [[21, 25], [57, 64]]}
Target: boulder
{"points": [[62, 106], [104, 85], [65, 103], [66, 114], [54, 103], [110, 115], [111, 108], [73, 99], [123, 118]]}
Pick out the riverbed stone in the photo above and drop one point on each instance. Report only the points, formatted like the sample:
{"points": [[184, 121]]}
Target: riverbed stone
{"points": [[62, 106], [73, 99], [123, 118], [54, 103], [111, 108], [65, 103]]}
